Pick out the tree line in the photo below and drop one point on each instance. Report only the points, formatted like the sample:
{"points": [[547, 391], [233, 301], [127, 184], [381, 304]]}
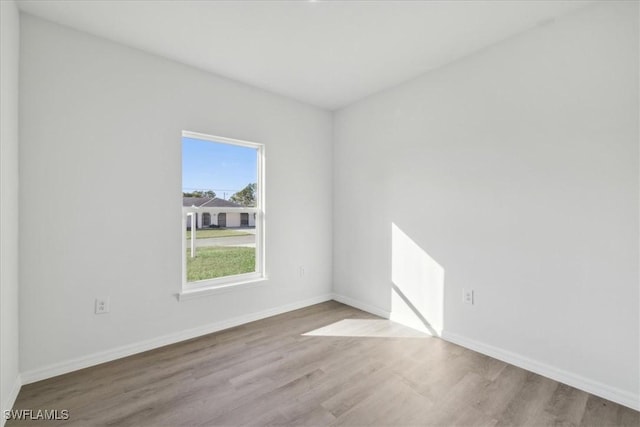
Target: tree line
{"points": [[245, 197]]}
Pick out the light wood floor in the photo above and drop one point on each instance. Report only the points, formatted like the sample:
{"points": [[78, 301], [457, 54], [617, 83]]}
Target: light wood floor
{"points": [[303, 368]]}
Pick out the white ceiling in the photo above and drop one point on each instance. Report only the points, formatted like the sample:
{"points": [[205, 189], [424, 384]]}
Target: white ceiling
{"points": [[325, 53]]}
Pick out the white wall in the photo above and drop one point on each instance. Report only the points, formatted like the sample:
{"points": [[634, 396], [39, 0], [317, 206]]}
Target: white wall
{"points": [[516, 170], [100, 145], [9, 50]]}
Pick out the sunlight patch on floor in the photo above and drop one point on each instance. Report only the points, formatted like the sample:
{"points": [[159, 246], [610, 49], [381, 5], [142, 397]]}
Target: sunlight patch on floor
{"points": [[378, 328]]}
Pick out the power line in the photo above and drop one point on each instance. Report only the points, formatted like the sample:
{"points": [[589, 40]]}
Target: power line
{"points": [[209, 189]]}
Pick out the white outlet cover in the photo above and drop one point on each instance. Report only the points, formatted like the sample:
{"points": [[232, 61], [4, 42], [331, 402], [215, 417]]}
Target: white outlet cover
{"points": [[467, 296], [102, 305]]}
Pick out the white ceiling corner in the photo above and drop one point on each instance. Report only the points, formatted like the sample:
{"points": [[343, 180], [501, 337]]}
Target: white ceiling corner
{"points": [[325, 53]]}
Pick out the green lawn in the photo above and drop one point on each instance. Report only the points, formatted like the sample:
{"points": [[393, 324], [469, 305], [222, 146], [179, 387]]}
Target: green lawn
{"points": [[216, 232], [219, 261]]}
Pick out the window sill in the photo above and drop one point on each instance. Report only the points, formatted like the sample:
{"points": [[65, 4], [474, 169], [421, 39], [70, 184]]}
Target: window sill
{"points": [[220, 289]]}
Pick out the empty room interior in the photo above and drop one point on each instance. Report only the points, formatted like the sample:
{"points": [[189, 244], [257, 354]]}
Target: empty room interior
{"points": [[385, 213]]}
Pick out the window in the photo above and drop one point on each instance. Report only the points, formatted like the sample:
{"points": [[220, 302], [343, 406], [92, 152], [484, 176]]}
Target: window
{"points": [[222, 211]]}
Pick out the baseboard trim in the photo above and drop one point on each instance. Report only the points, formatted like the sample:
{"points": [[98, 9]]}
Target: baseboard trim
{"points": [[599, 389], [11, 399], [139, 347], [361, 305], [585, 384]]}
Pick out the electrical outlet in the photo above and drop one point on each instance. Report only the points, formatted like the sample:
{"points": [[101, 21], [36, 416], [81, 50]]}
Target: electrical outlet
{"points": [[467, 296], [102, 305]]}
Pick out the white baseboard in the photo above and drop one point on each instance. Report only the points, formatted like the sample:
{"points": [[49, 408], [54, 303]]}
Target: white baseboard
{"points": [[128, 350], [361, 306], [585, 384], [594, 387], [11, 399], [616, 395]]}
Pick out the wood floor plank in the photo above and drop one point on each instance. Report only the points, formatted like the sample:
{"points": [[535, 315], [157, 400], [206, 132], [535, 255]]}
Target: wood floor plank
{"points": [[527, 406], [496, 397], [328, 364], [567, 405], [390, 403], [454, 406], [603, 413]]}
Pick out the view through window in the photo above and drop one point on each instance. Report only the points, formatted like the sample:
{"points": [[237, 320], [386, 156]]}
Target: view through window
{"points": [[221, 210]]}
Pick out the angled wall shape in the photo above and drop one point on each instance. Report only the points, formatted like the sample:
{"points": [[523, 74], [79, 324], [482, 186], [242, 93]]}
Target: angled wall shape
{"points": [[516, 169], [9, 52], [100, 168]]}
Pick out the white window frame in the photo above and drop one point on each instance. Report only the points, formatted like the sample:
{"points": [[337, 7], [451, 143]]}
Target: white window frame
{"points": [[228, 282]]}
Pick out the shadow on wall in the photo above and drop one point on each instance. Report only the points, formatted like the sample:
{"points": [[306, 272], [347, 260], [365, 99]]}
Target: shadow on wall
{"points": [[417, 289]]}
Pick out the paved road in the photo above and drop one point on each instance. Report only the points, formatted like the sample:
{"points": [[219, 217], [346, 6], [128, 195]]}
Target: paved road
{"points": [[249, 241]]}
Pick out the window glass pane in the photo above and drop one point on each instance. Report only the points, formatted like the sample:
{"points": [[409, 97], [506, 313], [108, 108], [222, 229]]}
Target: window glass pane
{"points": [[219, 197]]}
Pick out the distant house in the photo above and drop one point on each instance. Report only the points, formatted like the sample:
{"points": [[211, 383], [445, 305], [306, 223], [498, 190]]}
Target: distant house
{"points": [[215, 212]]}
